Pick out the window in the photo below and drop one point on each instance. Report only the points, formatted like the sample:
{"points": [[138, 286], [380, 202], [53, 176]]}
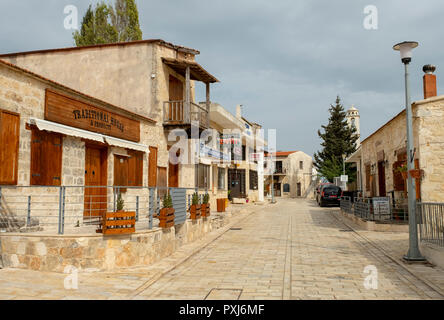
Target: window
{"points": [[135, 169], [203, 176], [301, 165], [286, 187], [221, 178], [120, 172], [279, 168], [253, 180], [46, 158], [9, 147], [128, 170], [367, 178]]}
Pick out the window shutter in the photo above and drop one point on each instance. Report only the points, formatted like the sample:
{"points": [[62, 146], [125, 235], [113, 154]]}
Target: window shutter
{"points": [[120, 172], [152, 167], [135, 168], [367, 178], [53, 155], [37, 165], [9, 147], [417, 182]]}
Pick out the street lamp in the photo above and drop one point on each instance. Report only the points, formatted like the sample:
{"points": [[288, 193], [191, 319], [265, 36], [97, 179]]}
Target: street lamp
{"points": [[413, 254]]}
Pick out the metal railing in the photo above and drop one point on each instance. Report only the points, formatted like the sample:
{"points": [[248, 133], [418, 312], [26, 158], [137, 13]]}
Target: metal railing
{"points": [[431, 222], [79, 209], [374, 209], [177, 112]]}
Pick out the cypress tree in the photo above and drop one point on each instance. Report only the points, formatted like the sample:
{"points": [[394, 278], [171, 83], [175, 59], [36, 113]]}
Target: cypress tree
{"points": [[338, 138], [125, 19], [108, 24]]}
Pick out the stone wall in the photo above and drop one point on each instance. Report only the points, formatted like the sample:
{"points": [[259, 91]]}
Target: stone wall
{"points": [[428, 136], [55, 253], [431, 148]]}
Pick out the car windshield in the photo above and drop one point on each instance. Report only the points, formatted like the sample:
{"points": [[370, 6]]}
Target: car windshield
{"points": [[332, 190]]}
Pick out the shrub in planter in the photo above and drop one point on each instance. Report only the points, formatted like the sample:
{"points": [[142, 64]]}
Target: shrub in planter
{"points": [[195, 209], [403, 169], [205, 208], [166, 214]]}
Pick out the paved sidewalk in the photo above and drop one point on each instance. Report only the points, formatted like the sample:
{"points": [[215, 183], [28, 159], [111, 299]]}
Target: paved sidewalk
{"points": [[291, 250]]}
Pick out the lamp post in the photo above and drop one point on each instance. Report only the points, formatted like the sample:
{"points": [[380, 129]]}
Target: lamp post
{"points": [[413, 254]]}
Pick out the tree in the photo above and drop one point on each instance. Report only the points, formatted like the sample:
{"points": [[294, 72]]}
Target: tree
{"points": [[125, 18], [96, 27], [338, 138], [108, 24]]}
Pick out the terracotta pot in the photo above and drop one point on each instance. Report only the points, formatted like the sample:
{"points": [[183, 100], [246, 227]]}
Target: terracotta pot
{"points": [[415, 174]]}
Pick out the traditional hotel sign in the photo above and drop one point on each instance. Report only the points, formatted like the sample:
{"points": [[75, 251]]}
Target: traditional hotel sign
{"points": [[74, 113]]}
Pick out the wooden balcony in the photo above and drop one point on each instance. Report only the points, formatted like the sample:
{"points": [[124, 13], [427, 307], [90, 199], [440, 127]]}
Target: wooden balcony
{"points": [[182, 115]]}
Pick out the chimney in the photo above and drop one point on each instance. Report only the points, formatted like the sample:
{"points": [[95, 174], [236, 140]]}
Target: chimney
{"points": [[239, 111], [429, 81]]}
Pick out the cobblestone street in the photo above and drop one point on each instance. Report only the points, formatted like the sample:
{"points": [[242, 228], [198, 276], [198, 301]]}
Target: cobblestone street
{"points": [[291, 250]]}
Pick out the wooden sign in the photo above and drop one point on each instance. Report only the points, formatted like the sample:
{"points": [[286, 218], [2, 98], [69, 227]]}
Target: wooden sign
{"points": [[74, 113]]}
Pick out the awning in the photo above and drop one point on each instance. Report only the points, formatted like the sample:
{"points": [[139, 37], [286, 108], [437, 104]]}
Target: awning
{"points": [[126, 144], [196, 71], [69, 131], [205, 161], [79, 133]]}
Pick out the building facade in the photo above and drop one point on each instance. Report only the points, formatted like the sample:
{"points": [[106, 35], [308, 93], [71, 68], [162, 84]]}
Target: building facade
{"points": [[383, 153]]}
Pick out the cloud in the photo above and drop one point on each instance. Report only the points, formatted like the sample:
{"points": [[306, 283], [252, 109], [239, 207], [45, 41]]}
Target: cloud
{"points": [[285, 61]]}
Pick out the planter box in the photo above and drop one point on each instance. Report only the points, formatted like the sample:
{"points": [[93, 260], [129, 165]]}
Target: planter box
{"points": [[221, 205], [166, 218], [120, 222], [195, 211], [205, 210]]}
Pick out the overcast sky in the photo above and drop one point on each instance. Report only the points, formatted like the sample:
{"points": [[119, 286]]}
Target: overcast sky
{"points": [[284, 60]]}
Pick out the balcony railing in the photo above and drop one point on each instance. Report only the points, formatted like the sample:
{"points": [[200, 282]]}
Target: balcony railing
{"points": [[178, 113]]}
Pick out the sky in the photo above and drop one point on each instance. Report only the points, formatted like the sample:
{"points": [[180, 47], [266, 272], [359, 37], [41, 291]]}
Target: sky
{"points": [[285, 61]]}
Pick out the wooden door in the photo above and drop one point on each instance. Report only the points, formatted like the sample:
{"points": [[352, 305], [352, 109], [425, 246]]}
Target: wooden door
{"points": [[299, 190], [173, 173], [175, 94], [95, 182], [152, 167], [162, 181], [381, 179]]}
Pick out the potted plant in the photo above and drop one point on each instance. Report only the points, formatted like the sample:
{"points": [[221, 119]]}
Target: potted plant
{"points": [[195, 209], [415, 173], [120, 221], [403, 170], [166, 214], [205, 207]]}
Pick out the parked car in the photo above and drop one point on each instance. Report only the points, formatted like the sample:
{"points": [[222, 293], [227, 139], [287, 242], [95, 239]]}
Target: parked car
{"points": [[318, 190], [330, 195]]}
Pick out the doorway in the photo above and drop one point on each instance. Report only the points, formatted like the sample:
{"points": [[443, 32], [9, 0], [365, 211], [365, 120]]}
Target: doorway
{"points": [[236, 183], [381, 179], [173, 172], [299, 189], [95, 181], [176, 99]]}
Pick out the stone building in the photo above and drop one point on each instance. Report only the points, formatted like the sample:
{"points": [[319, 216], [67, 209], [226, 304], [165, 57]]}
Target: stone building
{"points": [[293, 175], [383, 152], [52, 135], [153, 78]]}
